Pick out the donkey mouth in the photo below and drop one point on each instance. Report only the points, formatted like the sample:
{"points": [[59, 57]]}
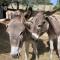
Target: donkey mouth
{"points": [[35, 36], [15, 52], [16, 56]]}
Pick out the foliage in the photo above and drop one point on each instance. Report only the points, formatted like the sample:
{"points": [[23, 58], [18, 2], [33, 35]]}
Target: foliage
{"points": [[57, 6]]}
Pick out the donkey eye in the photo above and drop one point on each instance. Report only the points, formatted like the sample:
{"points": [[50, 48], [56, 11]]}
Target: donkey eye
{"points": [[44, 22]]}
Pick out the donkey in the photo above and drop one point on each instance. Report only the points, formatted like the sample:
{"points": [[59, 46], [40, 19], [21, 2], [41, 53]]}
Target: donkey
{"points": [[40, 24], [15, 30], [36, 26]]}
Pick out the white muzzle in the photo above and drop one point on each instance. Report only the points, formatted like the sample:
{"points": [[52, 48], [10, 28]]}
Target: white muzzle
{"points": [[14, 50]]}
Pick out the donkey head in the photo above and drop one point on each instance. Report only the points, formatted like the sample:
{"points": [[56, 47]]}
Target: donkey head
{"points": [[38, 25], [15, 29]]}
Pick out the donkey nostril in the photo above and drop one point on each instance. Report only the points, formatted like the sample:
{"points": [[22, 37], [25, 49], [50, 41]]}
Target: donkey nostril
{"points": [[39, 25]]}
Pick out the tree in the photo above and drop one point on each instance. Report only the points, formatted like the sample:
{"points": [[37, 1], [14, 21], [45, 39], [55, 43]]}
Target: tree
{"points": [[58, 2], [43, 1], [57, 5]]}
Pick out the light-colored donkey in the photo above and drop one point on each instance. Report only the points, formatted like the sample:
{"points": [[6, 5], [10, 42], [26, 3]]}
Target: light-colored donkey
{"points": [[36, 26], [15, 29]]}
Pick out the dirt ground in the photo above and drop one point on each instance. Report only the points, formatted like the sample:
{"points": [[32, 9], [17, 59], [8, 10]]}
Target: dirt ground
{"points": [[43, 48]]}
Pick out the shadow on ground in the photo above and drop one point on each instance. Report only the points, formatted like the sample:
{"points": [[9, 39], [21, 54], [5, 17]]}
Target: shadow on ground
{"points": [[4, 40], [41, 48]]}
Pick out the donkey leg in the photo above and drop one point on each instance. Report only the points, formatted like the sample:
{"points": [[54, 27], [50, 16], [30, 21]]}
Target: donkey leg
{"points": [[26, 50], [58, 46], [51, 49], [35, 50]]}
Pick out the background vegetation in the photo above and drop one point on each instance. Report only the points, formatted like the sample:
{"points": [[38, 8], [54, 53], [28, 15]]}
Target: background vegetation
{"points": [[29, 2]]}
